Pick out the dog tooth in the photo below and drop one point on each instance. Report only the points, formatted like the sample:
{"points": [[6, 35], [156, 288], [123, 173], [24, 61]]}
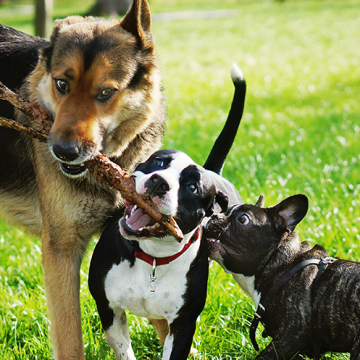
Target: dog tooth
{"points": [[142, 228]]}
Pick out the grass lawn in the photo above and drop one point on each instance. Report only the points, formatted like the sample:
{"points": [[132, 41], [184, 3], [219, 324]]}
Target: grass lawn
{"points": [[300, 134]]}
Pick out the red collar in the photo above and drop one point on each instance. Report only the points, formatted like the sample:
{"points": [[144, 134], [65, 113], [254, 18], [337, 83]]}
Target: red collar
{"points": [[167, 259]]}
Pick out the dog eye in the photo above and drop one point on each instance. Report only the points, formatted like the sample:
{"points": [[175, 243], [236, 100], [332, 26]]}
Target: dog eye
{"points": [[159, 163], [244, 219], [193, 188], [62, 86], [106, 94]]}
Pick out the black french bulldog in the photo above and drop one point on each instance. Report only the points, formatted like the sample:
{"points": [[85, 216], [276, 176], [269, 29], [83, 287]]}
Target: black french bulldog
{"points": [[308, 302]]}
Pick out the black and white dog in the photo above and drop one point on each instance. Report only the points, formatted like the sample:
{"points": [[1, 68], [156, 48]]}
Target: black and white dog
{"points": [[137, 266]]}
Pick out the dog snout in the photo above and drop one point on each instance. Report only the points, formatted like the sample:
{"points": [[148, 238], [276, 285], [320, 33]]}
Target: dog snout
{"points": [[156, 186], [66, 150]]}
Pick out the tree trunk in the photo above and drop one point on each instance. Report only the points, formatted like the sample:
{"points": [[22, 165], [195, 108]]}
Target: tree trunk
{"points": [[43, 17], [110, 7]]}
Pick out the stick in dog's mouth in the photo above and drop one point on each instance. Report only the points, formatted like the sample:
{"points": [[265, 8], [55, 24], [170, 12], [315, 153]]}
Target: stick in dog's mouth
{"points": [[139, 223], [102, 167]]}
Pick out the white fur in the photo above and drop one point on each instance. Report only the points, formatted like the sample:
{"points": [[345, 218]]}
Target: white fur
{"points": [[236, 73], [247, 283], [118, 338], [161, 247], [128, 288], [168, 347], [168, 204], [43, 97]]}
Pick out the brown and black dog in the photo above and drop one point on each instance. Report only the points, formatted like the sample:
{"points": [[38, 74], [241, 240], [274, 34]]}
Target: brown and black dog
{"points": [[100, 81]]}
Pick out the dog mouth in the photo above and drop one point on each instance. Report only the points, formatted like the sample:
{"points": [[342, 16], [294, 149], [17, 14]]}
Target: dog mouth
{"points": [[73, 170], [215, 244], [136, 222], [219, 249]]}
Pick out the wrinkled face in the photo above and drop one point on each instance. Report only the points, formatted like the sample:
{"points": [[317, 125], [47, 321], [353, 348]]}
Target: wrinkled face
{"points": [[100, 88], [178, 187], [242, 238]]}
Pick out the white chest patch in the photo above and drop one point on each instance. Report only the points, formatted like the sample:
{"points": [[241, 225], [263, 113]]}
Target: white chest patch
{"points": [[247, 283], [129, 288]]}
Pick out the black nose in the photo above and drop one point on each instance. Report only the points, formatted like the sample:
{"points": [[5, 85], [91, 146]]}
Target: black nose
{"points": [[66, 150], [156, 186]]}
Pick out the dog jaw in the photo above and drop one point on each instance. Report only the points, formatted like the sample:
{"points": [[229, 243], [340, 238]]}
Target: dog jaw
{"points": [[137, 225]]}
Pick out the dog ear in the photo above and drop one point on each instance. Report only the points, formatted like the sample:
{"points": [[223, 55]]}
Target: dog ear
{"points": [[137, 21], [220, 199], [59, 24], [223, 200], [289, 212], [261, 201]]}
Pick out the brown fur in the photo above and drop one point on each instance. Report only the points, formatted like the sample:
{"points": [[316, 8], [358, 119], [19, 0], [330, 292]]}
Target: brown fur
{"points": [[66, 210]]}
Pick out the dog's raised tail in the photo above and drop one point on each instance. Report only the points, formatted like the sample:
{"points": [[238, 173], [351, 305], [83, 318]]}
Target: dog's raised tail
{"points": [[216, 159]]}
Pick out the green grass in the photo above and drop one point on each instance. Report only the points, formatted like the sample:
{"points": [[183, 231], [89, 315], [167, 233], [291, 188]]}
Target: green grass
{"points": [[300, 134]]}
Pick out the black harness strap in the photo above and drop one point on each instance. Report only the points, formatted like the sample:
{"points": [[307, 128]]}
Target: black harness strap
{"points": [[322, 266], [260, 311]]}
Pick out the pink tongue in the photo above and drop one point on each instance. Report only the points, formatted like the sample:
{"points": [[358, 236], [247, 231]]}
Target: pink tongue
{"points": [[138, 219]]}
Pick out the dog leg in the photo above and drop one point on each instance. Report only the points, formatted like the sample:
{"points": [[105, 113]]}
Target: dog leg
{"points": [[117, 336], [177, 344], [355, 350], [161, 327], [284, 348], [62, 281]]}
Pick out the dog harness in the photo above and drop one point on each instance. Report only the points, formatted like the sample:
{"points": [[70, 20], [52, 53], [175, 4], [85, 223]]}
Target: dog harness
{"points": [[260, 311], [157, 261]]}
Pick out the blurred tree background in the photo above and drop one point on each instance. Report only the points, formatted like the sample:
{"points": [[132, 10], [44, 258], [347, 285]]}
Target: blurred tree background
{"points": [[44, 12]]}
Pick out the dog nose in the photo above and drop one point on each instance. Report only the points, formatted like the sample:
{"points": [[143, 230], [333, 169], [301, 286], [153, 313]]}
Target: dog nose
{"points": [[66, 150], [157, 186]]}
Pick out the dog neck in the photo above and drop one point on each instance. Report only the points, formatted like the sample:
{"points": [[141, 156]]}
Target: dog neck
{"points": [[168, 246], [282, 256]]}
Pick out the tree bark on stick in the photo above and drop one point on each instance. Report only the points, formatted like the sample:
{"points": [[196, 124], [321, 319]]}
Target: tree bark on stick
{"points": [[101, 166]]}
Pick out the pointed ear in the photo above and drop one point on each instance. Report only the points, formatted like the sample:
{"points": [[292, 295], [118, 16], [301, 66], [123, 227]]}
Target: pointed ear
{"points": [[137, 21], [261, 201], [289, 212], [222, 200], [210, 206]]}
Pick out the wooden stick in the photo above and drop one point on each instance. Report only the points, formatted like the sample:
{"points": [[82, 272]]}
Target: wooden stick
{"points": [[37, 116], [101, 166], [116, 177], [27, 130]]}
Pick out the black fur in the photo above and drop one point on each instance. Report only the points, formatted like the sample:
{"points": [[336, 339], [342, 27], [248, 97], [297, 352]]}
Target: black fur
{"points": [[260, 243], [19, 56]]}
